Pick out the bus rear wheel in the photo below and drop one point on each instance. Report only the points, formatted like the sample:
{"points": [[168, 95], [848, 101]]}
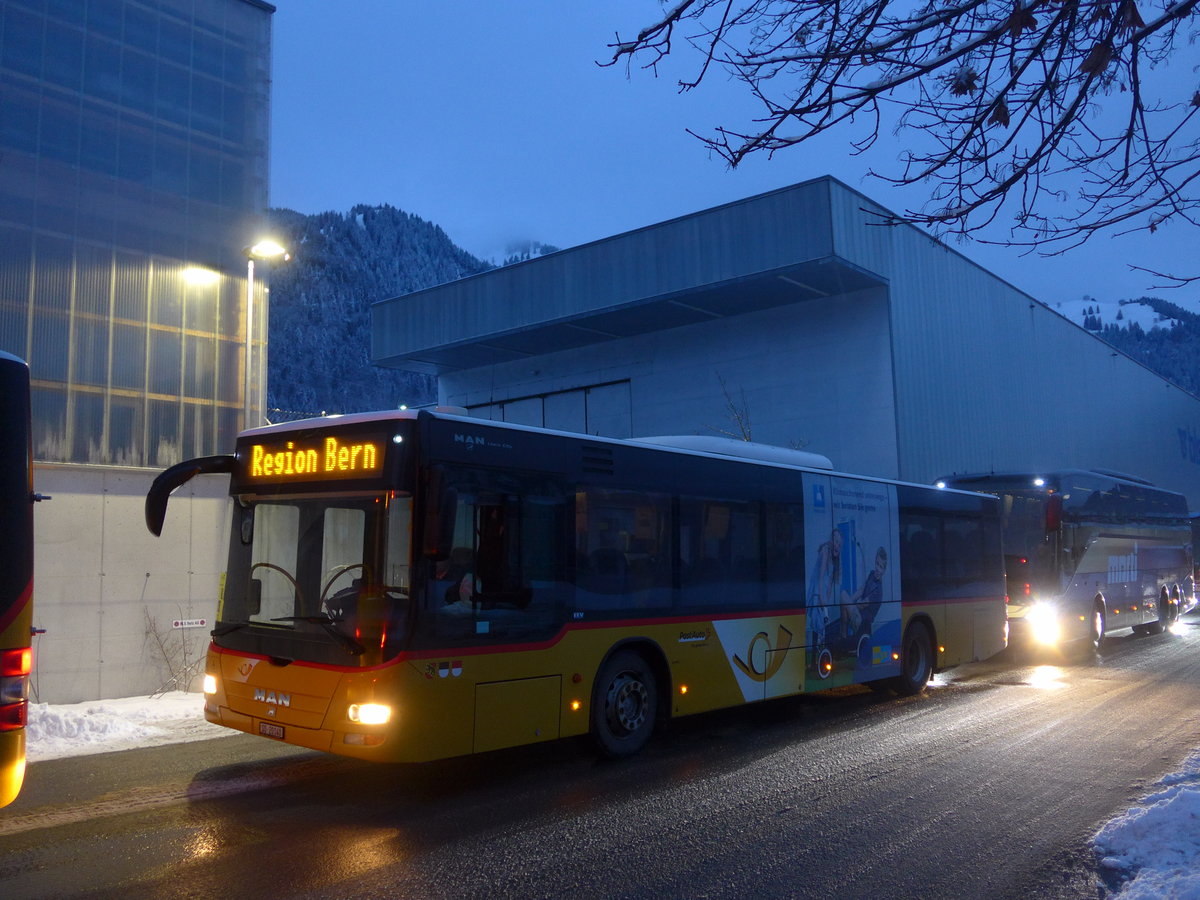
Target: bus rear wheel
{"points": [[625, 705], [916, 661], [1164, 615]]}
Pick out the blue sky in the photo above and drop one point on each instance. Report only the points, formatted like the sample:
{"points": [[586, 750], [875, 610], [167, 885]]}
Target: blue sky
{"points": [[493, 121]]}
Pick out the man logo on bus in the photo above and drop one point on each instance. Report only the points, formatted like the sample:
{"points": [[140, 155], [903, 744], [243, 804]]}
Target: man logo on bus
{"points": [[276, 699], [765, 660]]}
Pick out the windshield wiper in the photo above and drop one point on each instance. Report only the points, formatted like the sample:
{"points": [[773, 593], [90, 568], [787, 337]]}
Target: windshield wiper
{"points": [[327, 622]]}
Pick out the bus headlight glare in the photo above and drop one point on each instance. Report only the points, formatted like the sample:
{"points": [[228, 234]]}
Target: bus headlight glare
{"points": [[210, 684], [1043, 623], [370, 713]]}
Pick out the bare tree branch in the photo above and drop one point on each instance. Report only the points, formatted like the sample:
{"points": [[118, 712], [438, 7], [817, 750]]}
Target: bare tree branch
{"points": [[1053, 115]]}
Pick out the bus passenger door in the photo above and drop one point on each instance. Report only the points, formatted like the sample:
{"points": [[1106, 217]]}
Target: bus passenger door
{"points": [[822, 552]]}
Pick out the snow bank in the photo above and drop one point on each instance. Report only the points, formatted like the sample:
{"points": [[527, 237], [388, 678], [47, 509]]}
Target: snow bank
{"points": [[101, 726], [1153, 848]]}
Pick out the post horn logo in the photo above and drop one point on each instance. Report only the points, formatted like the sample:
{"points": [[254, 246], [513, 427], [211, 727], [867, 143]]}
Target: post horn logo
{"points": [[765, 660]]}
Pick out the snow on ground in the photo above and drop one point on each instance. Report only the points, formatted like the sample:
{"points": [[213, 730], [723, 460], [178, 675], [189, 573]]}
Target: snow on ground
{"points": [[1151, 850], [101, 726]]}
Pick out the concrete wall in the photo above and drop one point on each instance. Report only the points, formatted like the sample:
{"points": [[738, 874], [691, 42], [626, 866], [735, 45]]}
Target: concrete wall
{"points": [[108, 592], [816, 375]]}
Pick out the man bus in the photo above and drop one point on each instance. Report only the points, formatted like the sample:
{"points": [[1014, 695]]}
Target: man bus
{"points": [[410, 587]]}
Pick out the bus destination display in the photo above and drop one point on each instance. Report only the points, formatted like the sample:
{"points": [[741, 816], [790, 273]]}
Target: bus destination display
{"points": [[318, 458]]}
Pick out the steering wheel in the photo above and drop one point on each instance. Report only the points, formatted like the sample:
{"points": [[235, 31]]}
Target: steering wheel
{"points": [[338, 572], [282, 571]]}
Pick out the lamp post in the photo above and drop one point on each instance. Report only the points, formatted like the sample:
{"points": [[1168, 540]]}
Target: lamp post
{"points": [[264, 250]]}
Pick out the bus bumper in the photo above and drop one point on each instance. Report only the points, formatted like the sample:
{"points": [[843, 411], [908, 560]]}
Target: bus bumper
{"points": [[12, 764]]}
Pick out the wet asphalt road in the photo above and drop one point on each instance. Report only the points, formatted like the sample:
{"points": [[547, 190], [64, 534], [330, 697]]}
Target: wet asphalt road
{"points": [[987, 786]]}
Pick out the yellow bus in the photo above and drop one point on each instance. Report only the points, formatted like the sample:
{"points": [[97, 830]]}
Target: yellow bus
{"points": [[16, 563], [409, 586]]}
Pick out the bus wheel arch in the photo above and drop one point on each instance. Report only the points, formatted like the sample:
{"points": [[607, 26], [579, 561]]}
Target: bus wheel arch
{"points": [[917, 657], [629, 698]]}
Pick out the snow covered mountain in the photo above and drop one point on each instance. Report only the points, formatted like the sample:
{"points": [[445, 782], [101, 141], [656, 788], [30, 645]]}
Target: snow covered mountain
{"points": [[1162, 335], [320, 324]]}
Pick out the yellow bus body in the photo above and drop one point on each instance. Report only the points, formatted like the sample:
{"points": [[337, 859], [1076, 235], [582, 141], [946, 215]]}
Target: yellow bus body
{"points": [[12, 765], [457, 702]]}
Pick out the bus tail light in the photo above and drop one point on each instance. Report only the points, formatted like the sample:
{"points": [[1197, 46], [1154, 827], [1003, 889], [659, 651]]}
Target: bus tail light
{"points": [[15, 666]]}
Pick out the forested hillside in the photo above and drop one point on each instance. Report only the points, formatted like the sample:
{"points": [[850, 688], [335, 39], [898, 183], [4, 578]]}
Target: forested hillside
{"points": [[320, 324], [1168, 342]]}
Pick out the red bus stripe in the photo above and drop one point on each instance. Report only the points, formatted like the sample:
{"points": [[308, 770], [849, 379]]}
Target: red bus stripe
{"points": [[16, 608]]}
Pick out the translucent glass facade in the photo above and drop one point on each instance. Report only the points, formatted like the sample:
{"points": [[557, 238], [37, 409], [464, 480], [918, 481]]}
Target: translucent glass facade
{"points": [[133, 173]]}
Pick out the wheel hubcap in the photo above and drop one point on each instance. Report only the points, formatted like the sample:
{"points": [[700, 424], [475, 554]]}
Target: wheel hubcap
{"points": [[627, 702]]}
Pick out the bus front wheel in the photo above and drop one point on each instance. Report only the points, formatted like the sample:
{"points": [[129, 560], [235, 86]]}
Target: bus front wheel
{"points": [[1096, 635], [625, 705], [916, 661]]}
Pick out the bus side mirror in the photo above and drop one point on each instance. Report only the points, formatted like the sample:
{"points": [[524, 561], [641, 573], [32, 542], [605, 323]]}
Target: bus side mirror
{"points": [[254, 601], [176, 476], [441, 505]]}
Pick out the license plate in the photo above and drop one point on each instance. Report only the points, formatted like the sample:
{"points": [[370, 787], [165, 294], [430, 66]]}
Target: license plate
{"points": [[270, 729]]}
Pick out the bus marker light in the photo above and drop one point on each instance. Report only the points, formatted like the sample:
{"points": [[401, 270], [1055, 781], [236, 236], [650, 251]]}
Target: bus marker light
{"points": [[369, 713], [683, 689], [575, 705], [210, 684], [895, 657], [941, 649]]}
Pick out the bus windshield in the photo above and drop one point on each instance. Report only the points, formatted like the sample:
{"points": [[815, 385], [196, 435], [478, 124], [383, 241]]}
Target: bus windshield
{"points": [[1028, 547], [319, 577]]}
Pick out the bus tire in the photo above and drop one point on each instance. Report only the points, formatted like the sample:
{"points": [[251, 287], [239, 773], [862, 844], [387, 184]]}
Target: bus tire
{"points": [[1164, 614], [916, 661], [1097, 628], [625, 705]]}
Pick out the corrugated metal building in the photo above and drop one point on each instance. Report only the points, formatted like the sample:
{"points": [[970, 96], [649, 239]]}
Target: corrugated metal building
{"points": [[793, 315]]}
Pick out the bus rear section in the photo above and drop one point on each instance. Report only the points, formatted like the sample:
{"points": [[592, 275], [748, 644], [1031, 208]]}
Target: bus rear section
{"points": [[409, 587], [16, 572], [1089, 553]]}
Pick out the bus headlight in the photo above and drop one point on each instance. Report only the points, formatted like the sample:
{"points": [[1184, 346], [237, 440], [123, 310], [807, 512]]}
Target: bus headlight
{"points": [[1043, 623], [210, 684], [369, 713]]}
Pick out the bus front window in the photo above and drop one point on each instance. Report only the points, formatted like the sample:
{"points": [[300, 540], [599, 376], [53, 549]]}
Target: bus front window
{"points": [[322, 570], [1028, 548]]}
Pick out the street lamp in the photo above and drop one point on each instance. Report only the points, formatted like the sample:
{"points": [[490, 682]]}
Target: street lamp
{"points": [[264, 250]]}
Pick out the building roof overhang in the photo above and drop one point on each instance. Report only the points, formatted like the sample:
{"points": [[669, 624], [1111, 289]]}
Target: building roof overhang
{"points": [[756, 254]]}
